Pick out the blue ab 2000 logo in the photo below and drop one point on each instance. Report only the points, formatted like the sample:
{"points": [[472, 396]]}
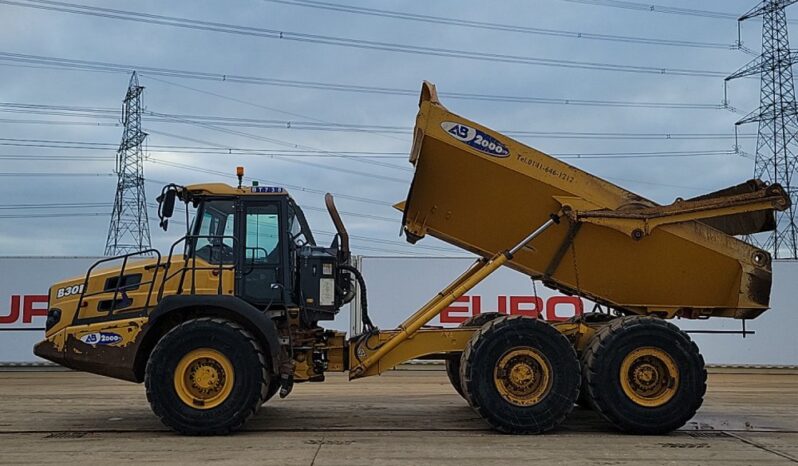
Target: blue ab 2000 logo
{"points": [[475, 138], [101, 338]]}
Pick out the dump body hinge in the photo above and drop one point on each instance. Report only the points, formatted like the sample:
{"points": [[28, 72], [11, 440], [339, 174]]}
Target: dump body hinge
{"points": [[638, 222]]}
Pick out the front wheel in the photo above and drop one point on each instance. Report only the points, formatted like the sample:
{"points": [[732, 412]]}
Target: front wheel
{"points": [[206, 376]]}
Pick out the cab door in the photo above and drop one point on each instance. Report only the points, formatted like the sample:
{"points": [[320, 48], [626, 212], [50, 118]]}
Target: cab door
{"points": [[261, 233]]}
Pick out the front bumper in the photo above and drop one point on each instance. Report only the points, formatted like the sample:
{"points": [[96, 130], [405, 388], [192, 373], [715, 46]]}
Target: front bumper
{"points": [[112, 352]]}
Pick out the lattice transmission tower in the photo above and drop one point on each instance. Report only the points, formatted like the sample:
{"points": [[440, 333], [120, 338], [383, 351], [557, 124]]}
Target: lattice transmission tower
{"points": [[777, 115], [130, 230]]}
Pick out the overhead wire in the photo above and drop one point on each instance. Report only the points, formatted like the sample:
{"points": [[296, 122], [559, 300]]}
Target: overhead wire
{"points": [[294, 187], [149, 72], [80, 205], [163, 20], [272, 182], [570, 156], [407, 130], [250, 103], [52, 174], [222, 124], [496, 26], [279, 142], [211, 150], [654, 8], [52, 215]]}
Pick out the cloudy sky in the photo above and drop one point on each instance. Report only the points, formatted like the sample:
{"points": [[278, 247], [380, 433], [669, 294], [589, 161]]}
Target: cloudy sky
{"points": [[57, 182]]}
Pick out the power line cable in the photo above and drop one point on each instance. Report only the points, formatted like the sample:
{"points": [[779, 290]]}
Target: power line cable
{"points": [[293, 187], [217, 120], [84, 205], [570, 156], [220, 124], [355, 245], [493, 26], [652, 8], [71, 205], [510, 133], [21, 121], [453, 95], [252, 104], [52, 174], [106, 67], [271, 182], [51, 215], [199, 150], [5, 207], [172, 21], [279, 142]]}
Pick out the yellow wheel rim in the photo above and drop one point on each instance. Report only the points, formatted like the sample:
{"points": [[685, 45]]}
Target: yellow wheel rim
{"points": [[649, 377], [523, 376], [204, 378]]}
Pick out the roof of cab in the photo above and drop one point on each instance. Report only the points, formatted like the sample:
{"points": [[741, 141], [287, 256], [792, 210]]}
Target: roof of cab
{"points": [[222, 189]]}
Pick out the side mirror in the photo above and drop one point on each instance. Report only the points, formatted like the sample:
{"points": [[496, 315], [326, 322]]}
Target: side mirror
{"points": [[168, 204]]}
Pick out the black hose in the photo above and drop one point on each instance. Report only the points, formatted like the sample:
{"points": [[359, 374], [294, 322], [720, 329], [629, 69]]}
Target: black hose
{"points": [[364, 307]]}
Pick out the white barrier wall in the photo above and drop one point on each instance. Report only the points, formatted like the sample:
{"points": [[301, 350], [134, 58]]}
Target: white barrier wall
{"points": [[398, 286], [24, 282]]}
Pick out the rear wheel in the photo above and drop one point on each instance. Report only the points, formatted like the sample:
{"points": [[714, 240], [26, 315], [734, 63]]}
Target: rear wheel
{"points": [[206, 376], [644, 375], [453, 362], [583, 401], [520, 374]]}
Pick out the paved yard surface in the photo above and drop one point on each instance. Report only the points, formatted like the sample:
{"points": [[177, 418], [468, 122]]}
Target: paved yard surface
{"points": [[750, 416]]}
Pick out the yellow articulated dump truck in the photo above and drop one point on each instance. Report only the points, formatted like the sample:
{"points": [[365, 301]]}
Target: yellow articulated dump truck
{"points": [[233, 313]]}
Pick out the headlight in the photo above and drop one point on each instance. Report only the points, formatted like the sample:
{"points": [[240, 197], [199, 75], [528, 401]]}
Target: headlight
{"points": [[53, 317]]}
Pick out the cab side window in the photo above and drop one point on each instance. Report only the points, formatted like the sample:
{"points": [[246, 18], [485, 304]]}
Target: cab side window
{"points": [[263, 235]]}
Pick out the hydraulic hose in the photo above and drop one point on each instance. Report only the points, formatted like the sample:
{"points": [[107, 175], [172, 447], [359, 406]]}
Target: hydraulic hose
{"points": [[364, 307]]}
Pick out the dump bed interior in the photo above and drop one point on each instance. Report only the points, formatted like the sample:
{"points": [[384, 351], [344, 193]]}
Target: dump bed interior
{"points": [[482, 191]]}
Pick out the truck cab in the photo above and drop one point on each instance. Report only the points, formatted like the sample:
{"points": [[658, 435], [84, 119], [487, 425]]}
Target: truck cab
{"points": [[264, 236], [248, 255]]}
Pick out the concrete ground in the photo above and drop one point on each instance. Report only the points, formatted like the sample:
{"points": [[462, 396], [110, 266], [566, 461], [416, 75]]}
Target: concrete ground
{"points": [[403, 417]]}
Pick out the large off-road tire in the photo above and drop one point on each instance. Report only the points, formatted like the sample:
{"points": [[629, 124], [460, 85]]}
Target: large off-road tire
{"points": [[206, 376], [453, 362], [520, 374], [583, 401], [644, 375]]}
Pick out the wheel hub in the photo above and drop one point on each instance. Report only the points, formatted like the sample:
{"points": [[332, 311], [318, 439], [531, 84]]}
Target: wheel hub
{"points": [[523, 376], [649, 377], [207, 376], [203, 378]]}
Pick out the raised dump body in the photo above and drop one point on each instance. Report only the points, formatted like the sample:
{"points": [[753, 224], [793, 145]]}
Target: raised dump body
{"points": [[482, 191]]}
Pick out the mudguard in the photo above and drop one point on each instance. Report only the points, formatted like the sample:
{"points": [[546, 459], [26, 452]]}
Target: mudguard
{"points": [[252, 317]]}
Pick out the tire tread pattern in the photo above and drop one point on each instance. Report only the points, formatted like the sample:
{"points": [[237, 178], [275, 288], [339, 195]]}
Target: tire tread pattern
{"points": [[604, 338], [158, 352], [473, 347], [453, 362]]}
